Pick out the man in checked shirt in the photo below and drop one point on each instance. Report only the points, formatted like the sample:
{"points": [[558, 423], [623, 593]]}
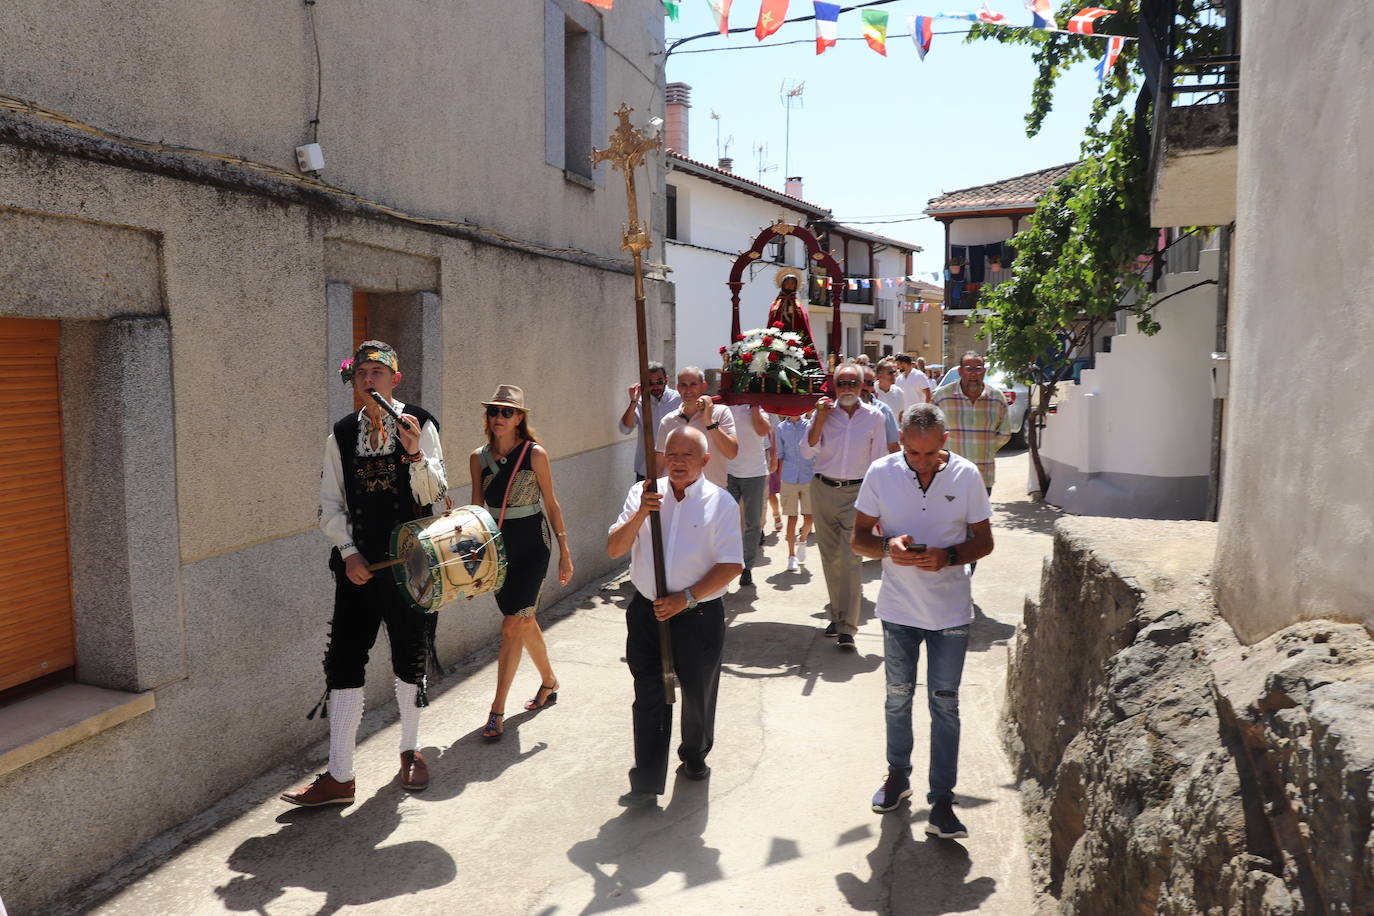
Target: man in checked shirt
{"points": [[976, 414]]}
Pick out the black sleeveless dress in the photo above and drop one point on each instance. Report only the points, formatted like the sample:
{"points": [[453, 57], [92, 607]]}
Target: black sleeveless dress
{"points": [[527, 540]]}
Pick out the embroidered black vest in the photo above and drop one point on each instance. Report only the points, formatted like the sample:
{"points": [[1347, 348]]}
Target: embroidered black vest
{"points": [[376, 488]]}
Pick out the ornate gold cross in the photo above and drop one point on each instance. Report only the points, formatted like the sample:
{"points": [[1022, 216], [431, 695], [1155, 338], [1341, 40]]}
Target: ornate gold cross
{"points": [[626, 152]]}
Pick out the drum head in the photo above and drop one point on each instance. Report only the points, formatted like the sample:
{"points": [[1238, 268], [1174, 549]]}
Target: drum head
{"points": [[458, 554]]}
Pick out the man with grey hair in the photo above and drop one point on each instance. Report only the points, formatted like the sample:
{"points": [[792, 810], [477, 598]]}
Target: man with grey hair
{"points": [[664, 401], [935, 518]]}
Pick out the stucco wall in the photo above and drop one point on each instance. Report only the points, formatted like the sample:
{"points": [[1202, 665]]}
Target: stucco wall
{"points": [[1297, 508], [1134, 438], [224, 298]]}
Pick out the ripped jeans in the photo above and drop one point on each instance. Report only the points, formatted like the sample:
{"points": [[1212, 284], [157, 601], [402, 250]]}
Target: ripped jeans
{"points": [[945, 651]]}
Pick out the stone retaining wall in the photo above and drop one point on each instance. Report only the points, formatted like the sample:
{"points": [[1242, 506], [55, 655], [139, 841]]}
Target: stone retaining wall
{"points": [[1167, 768]]}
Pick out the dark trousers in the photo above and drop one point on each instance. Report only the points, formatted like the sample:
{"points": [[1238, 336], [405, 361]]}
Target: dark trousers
{"points": [[698, 637], [359, 611]]}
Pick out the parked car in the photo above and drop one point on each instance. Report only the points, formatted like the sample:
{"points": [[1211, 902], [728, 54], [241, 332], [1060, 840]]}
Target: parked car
{"points": [[1017, 394]]}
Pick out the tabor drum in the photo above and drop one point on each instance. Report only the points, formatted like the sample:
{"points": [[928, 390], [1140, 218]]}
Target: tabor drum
{"points": [[455, 555]]}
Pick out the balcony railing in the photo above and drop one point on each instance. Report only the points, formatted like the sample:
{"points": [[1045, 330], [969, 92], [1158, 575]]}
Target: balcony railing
{"points": [[964, 296]]}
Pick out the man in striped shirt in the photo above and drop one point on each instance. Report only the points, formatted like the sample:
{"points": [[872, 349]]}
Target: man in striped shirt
{"points": [[976, 414]]}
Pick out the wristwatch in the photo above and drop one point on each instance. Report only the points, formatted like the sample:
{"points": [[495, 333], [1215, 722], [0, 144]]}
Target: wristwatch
{"points": [[712, 426], [691, 599], [887, 547], [952, 555]]}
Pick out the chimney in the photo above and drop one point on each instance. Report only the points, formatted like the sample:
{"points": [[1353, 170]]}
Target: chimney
{"points": [[726, 164], [793, 188], [679, 98]]}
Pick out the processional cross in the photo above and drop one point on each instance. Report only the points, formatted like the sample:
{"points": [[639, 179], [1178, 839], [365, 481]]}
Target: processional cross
{"points": [[626, 152]]}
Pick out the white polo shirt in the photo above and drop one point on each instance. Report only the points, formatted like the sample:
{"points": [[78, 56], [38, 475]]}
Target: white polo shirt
{"points": [[698, 532], [913, 384], [716, 468], [938, 517], [751, 460]]}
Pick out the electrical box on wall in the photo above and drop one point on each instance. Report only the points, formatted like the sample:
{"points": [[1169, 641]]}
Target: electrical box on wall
{"points": [[309, 158], [1221, 375]]}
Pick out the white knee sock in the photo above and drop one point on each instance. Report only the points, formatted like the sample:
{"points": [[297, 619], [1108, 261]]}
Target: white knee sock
{"points": [[345, 715], [410, 715]]}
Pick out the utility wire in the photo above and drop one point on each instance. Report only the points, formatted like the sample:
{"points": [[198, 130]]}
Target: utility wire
{"points": [[319, 72]]}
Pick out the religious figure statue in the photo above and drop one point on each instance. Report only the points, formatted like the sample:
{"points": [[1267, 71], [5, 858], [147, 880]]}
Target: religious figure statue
{"points": [[787, 310]]}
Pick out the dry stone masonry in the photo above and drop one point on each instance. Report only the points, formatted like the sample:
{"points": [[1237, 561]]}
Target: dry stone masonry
{"points": [[1166, 767]]}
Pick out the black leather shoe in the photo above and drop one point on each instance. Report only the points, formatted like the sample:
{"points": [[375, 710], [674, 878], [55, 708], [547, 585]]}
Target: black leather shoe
{"points": [[634, 799], [746, 579], [694, 771]]}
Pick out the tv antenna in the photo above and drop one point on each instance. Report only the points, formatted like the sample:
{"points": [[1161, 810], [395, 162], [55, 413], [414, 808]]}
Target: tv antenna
{"points": [[761, 155], [722, 150], [790, 94]]}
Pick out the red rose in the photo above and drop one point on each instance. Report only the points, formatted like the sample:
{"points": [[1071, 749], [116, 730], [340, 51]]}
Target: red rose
{"points": [[768, 341], [777, 324], [739, 337], [773, 357], [722, 351]]}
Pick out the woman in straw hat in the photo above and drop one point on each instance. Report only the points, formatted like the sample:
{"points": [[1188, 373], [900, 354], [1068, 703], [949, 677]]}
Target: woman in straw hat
{"points": [[511, 477]]}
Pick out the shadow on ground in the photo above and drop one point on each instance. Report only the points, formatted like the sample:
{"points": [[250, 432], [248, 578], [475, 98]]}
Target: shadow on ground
{"points": [[639, 847], [1036, 517], [341, 853]]}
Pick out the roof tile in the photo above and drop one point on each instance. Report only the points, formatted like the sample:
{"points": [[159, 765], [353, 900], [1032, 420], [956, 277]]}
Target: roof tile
{"points": [[1010, 193]]}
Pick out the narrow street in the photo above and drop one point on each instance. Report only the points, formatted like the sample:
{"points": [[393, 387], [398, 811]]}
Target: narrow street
{"points": [[530, 825]]}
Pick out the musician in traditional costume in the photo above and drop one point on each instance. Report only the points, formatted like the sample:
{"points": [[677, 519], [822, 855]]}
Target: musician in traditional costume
{"points": [[512, 478], [703, 553], [378, 472]]}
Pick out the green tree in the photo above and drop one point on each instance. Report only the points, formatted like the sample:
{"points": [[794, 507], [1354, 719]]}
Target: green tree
{"points": [[1079, 260]]}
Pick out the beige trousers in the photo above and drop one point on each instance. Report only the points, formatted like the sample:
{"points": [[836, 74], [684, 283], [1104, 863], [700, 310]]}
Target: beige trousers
{"points": [[833, 512]]}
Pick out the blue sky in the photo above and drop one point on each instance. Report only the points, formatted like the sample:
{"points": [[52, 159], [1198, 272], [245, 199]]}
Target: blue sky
{"points": [[877, 136]]}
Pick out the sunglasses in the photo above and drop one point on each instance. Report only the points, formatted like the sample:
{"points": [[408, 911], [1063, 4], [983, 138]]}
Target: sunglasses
{"points": [[507, 412], [846, 383]]}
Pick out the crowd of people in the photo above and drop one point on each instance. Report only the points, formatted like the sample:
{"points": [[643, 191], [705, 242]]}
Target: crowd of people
{"points": [[884, 466]]}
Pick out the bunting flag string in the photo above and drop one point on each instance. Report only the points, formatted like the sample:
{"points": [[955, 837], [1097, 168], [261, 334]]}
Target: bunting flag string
{"points": [[673, 9], [988, 16], [772, 14], [1082, 21], [922, 32], [827, 25], [1105, 65], [721, 10], [875, 30]]}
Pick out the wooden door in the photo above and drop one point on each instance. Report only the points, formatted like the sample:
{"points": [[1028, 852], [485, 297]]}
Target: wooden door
{"points": [[37, 637], [359, 333]]}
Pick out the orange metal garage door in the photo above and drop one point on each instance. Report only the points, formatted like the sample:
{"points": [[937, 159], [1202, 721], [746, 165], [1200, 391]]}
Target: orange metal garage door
{"points": [[36, 635]]}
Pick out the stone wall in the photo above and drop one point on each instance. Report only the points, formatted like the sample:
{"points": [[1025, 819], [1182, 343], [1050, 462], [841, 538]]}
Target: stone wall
{"points": [[1168, 768]]}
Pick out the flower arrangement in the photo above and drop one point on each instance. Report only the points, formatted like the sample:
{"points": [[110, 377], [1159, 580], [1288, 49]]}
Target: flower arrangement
{"points": [[771, 359]]}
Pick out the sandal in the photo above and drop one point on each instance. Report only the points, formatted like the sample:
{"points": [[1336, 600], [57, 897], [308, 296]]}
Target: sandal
{"points": [[494, 727], [549, 700]]}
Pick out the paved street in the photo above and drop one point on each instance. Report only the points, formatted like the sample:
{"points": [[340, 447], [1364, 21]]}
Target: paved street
{"points": [[530, 825]]}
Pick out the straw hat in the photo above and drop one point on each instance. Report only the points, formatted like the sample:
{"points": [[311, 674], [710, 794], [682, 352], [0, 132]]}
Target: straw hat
{"points": [[508, 396]]}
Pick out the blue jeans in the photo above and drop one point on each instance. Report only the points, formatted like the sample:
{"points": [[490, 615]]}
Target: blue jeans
{"points": [[945, 651], [749, 492]]}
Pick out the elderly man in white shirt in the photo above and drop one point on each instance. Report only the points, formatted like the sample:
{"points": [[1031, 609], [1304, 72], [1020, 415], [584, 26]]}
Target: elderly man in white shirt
{"points": [[664, 400], [703, 552], [846, 436], [715, 420]]}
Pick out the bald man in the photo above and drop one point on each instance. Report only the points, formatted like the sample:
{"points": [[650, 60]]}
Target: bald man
{"points": [[703, 552]]}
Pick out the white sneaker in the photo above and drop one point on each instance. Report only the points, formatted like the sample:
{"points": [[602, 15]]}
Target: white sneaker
{"points": [[791, 564], [801, 552]]}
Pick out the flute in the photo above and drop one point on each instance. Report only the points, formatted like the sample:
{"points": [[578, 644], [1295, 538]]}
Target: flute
{"points": [[386, 405]]}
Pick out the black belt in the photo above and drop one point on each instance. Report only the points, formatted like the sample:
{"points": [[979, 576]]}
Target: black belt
{"points": [[832, 482]]}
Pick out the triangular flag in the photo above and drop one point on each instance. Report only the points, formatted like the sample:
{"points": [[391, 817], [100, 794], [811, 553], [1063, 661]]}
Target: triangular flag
{"points": [[604, 4], [921, 33], [1105, 65], [1042, 15], [771, 16], [875, 30], [721, 10], [672, 8], [1082, 21], [827, 25], [971, 17], [987, 15]]}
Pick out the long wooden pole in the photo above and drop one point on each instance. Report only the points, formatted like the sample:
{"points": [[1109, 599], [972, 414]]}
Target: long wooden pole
{"points": [[625, 151]]}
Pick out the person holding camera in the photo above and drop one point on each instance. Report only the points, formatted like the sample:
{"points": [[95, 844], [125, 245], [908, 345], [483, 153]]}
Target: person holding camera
{"points": [[935, 518]]}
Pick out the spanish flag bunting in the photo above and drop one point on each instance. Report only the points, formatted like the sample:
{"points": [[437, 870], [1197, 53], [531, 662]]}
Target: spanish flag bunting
{"points": [[772, 14], [827, 25], [921, 33], [721, 10], [1082, 22], [875, 30]]}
